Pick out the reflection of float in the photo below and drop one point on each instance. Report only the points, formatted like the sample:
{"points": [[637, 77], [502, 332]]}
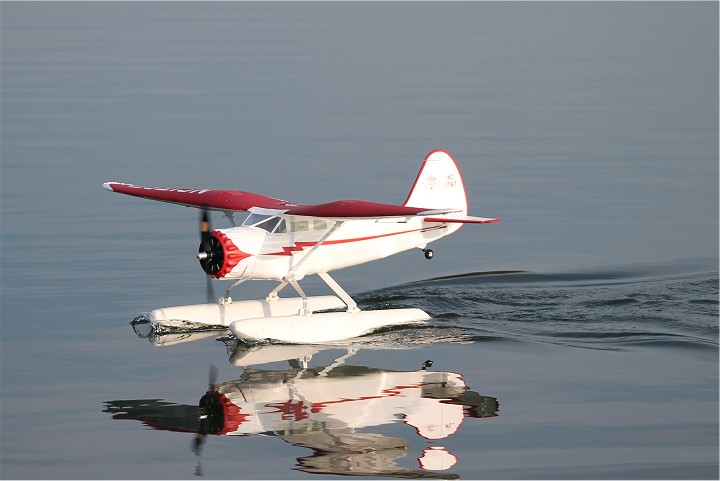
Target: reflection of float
{"points": [[325, 409]]}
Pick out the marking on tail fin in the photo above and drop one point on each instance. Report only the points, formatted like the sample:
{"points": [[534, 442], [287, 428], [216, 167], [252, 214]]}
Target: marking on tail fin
{"points": [[432, 182]]}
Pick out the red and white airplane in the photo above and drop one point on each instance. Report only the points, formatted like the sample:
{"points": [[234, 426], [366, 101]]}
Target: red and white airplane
{"points": [[284, 242]]}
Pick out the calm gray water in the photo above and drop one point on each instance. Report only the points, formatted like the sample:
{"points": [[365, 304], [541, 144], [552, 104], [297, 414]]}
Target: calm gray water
{"points": [[590, 129]]}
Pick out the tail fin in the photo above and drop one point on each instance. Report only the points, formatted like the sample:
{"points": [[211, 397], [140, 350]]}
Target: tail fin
{"points": [[438, 185]]}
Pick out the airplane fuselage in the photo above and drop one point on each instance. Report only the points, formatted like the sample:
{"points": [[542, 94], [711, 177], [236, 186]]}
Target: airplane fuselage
{"points": [[272, 247]]}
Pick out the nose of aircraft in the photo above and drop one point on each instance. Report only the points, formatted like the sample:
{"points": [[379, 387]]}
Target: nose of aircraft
{"points": [[211, 254], [219, 256]]}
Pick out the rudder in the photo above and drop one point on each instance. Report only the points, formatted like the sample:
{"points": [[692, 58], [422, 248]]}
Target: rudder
{"points": [[438, 185]]}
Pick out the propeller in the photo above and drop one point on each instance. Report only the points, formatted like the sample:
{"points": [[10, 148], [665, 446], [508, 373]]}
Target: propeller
{"points": [[210, 253], [205, 228]]}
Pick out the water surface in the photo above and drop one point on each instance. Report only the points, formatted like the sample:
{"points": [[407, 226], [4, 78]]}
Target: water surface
{"points": [[590, 129]]}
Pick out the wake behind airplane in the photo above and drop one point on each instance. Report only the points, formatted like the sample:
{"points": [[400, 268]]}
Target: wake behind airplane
{"points": [[284, 242]]}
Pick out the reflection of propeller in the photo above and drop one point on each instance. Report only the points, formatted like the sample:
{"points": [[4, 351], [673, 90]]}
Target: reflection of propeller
{"points": [[208, 412], [212, 377], [210, 253]]}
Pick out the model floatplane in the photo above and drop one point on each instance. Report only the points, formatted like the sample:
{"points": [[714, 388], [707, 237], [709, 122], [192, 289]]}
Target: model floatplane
{"points": [[284, 242]]}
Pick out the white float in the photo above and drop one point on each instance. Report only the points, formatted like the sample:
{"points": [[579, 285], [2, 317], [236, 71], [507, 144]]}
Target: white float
{"points": [[323, 327], [291, 319], [208, 316]]}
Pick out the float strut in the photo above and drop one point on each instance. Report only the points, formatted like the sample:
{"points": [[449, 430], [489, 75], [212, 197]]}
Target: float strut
{"points": [[351, 304], [273, 296], [227, 299], [304, 311]]}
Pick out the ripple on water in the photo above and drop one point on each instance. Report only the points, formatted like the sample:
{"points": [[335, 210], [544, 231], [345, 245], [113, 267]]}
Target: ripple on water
{"points": [[670, 306]]}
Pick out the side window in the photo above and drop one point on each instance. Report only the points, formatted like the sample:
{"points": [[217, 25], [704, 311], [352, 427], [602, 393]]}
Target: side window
{"points": [[299, 226], [319, 225], [281, 227]]}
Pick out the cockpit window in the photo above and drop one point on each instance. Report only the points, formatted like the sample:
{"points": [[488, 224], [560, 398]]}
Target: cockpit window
{"points": [[253, 219], [277, 225], [269, 223]]}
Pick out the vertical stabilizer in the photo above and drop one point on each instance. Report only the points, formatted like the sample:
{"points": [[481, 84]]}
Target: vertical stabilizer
{"points": [[438, 185]]}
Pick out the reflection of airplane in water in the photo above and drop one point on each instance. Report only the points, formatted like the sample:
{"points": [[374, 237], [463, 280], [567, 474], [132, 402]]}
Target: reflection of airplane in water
{"points": [[327, 409]]}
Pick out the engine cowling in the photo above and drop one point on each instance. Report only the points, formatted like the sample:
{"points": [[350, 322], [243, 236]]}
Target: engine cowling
{"points": [[221, 257]]}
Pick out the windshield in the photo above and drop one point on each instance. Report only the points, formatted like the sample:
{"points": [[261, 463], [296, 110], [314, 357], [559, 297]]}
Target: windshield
{"points": [[269, 223]]}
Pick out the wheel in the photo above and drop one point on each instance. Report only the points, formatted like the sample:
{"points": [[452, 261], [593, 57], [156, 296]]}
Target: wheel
{"points": [[429, 254]]}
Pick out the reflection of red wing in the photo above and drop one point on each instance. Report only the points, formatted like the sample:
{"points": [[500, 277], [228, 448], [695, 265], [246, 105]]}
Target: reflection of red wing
{"points": [[232, 200]]}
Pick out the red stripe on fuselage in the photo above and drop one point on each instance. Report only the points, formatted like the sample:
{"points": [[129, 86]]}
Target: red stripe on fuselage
{"points": [[300, 246]]}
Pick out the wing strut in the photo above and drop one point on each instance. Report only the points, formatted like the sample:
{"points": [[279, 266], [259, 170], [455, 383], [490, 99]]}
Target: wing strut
{"points": [[290, 278], [291, 273]]}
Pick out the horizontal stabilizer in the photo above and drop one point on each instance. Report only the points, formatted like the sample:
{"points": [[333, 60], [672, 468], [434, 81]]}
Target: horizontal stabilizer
{"points": [[466, 219]]}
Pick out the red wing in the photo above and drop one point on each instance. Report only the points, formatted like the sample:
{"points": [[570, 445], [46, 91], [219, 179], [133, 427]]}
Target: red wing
{"points": [[343, 209], [235, 200], [225, 200]]}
